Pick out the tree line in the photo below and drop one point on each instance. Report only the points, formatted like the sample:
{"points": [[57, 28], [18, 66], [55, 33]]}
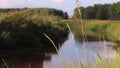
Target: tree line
{"points": [[39, 11], [100, 11]]}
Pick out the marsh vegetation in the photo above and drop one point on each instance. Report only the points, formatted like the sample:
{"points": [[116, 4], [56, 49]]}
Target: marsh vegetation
{"points": [[27, 36]]}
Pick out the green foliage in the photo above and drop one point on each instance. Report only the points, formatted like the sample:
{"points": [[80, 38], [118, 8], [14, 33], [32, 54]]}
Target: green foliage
{"points": [[24, 29], [96, 29], [38, 11], [99, 11]]}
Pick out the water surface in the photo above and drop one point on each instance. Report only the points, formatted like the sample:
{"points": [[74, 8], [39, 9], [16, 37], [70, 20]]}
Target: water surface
{"points": [[70, 51]]}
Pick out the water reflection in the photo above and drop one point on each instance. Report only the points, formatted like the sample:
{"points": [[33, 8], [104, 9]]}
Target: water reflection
{"points": [[70, 51], [26, 61]]}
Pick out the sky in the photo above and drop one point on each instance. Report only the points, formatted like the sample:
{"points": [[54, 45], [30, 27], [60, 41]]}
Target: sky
{"points": [[65, 5]]}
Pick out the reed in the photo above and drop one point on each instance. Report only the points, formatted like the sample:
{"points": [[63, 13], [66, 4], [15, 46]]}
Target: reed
{"points": [[99, 63], [80, 21], [29, 66], [57, 50], [5, 63]]}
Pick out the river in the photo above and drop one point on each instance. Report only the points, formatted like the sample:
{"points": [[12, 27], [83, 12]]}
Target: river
{"points": [[70, 52]]}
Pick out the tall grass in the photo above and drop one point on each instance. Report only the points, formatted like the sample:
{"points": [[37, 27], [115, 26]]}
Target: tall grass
{"points": [[99, 63], [84, 38], [52, 43], [5, 63]]}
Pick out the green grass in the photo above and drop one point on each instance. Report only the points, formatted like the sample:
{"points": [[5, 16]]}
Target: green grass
{"points": [[95, 29]]}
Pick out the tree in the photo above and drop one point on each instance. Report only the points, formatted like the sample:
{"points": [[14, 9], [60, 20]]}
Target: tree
{"points": [[65, 15], [100, 11]]}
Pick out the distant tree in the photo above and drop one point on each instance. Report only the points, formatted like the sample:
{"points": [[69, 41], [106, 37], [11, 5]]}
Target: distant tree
{"points": [[65, 15], [100, 11], [90, 12]]}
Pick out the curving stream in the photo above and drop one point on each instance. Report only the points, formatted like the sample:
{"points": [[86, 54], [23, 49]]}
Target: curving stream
{"points": [[70, 52]]}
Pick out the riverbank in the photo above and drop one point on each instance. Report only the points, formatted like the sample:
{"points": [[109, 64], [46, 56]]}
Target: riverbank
{"points": [[97, 29]]}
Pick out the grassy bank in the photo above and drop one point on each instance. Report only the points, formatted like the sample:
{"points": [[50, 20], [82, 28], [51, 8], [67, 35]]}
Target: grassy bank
{"points": [[97, 29]]}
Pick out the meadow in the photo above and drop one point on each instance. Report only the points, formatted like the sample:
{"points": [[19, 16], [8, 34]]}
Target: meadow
{"points": [[96, 29]]}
